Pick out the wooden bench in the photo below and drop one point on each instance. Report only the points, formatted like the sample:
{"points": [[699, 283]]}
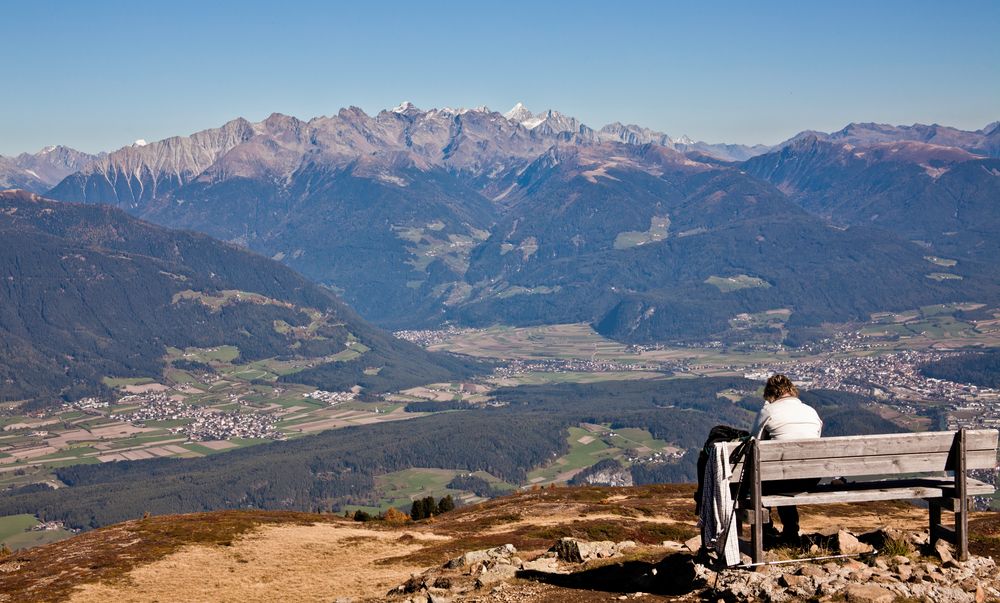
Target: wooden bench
{"points": [[916, 460]]}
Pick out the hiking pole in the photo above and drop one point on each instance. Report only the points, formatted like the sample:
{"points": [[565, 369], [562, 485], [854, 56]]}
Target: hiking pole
{"points": [[823, 558]]}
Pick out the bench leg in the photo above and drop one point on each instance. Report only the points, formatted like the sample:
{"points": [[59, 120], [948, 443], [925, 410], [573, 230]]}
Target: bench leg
{"points": [[962, 531], [934, 510], [756, 506], [961, 489]]}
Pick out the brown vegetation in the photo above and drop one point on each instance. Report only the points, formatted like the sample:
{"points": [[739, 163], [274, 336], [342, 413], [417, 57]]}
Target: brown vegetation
{"points": [[254, 555]]}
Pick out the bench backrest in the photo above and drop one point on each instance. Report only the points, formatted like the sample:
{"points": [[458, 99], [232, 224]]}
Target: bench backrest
{"points": [[868, 455]]}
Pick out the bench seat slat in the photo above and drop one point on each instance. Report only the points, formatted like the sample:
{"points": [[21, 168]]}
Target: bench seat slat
{"points": [[874, 445], [878, 490], [872, 465]]}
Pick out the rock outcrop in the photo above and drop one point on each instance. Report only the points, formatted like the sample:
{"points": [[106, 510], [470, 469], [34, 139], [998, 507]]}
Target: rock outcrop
{"points": [[879, 579], [578, 551], [473, 572]]}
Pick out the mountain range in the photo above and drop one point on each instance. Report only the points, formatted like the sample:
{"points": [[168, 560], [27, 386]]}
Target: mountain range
{"points": [[472, 216]]}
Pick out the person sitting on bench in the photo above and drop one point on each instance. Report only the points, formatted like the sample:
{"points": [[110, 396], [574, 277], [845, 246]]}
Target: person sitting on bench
{"points": [[785, 417]]}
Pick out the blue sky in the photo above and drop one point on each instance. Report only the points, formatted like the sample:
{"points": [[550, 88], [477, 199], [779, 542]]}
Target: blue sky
{"points": [[96, 75]]}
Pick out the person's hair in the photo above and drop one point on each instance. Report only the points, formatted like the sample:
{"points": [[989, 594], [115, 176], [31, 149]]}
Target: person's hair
{"points": [[779, 386]]}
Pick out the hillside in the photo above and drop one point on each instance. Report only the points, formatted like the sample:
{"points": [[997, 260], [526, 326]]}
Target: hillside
{"points": [[661, 248], [258, 556], [942, 197], [90, 293]]}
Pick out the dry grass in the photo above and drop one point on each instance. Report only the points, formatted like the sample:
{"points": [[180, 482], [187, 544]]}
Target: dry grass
{"points": [[51, 572], [255, 556], [301, 562]]}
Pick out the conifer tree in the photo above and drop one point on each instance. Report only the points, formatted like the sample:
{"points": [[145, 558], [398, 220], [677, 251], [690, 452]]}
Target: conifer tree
{"points": [[446, 504], [417, 510]]}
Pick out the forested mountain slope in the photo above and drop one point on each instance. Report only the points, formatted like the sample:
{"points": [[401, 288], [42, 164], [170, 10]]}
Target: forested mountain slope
{"points": [[88, 292], [945, 198]]}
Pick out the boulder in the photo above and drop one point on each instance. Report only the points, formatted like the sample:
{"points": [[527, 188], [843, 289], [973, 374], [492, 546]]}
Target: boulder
{"points": [[919, 539], [878, 538], [943, 550], [542, 564], [847, 544], [868, 593], [812, 571], [693, 544], [791, 580], [471, 558], [577, 551], [904, 572], [497, 573]]}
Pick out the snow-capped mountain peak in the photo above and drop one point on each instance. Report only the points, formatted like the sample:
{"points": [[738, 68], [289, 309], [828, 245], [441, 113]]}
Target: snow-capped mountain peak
{"points": [[519, 113], [684, 140], [405, 108], [141, 142]]}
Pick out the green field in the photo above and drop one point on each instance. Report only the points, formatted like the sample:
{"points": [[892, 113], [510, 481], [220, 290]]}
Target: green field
{"points": [[15, 524], [659, 229], [566, 341], [580, 456], [123, 381], [588, 446], [639, 438], [944, 262], [15, 533], [400, 488], [728, 284], [541, 378], [943, 276], [933, 324]]}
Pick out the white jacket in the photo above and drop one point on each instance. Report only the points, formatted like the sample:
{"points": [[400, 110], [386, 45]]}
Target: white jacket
{"points": [[787, 419]]}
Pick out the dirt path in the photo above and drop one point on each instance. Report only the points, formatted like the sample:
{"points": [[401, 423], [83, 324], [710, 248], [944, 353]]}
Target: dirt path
{"points": [[276, 563]]}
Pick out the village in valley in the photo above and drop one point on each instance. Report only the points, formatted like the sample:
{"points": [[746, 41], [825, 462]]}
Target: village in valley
{"points": [[190, 412], [880, 360]]}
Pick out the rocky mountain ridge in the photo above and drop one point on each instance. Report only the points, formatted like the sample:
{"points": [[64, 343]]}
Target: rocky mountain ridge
{"points": [[38, 172], [418, 217], [477, 141], [984, 142]]}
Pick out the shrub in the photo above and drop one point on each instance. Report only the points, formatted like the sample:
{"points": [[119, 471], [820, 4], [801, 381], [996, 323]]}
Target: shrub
{"points": [[395, 517]]}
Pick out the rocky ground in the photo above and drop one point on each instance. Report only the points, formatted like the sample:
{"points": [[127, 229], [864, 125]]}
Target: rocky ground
{"points": [[566, 544]]}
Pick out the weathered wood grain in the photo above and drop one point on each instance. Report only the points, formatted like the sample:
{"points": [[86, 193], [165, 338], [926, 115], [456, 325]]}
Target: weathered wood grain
{"points": [[860, 466], [870, 491], [875, 445]]}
